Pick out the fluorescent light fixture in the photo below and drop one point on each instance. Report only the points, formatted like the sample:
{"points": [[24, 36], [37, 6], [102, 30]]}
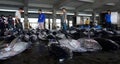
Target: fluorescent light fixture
{"points": [[97, 15], [91, 1], [6, 10], [85, 14], [37, 12], [110, 4], [68, 13]]}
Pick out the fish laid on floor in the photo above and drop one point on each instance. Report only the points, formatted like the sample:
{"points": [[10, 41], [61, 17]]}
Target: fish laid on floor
{"points": [[13, 49]]}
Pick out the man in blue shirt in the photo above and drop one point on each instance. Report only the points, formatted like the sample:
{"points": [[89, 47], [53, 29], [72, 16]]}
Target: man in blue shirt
{"points": [[108, 19], [41, 19]]}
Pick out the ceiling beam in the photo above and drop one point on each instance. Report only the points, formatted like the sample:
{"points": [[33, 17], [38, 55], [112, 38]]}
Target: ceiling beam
{"points": [[106, 7], [89, 1], [103, 8], [96, 4], [60, 3], [3, 2], [80, 8], [18, 4], [40, 5], [117, 7]]}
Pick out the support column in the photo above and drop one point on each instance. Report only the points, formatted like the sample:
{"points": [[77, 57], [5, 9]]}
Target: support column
{"points": [[118, 21], [54, 18], [75, 19], [76, 14], [49, 23], [26, 22], [93, 16], [68, 22]]}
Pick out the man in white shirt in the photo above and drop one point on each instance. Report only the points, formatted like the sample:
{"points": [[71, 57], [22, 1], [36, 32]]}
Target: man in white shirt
{"points": [[18, 23]]}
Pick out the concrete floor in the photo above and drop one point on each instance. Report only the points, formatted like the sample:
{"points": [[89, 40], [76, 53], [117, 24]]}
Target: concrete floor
{"points": [[38, 54]]}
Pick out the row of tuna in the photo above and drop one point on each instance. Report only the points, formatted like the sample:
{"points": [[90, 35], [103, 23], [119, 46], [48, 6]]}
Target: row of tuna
{"points": [[61, 44]]}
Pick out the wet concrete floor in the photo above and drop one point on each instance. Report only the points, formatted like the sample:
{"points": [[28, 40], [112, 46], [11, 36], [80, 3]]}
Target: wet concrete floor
{"points": [[38, 54]]}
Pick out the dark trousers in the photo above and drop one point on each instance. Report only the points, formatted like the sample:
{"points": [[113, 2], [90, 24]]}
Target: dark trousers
{"points": [[18, 25], [86, 25], [108, 25], [10, 25], [2, 28], [6, 26]]}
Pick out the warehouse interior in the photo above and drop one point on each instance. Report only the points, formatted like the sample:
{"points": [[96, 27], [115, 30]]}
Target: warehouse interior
{"points": [[32, 45], [80, 8]]}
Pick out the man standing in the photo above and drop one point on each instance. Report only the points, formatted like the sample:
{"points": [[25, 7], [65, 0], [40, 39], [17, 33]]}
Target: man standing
{"points": [[64, 19], [18, 22], [87, 22], [2, 25], [10, 22], [41, 19], [108, 19]]}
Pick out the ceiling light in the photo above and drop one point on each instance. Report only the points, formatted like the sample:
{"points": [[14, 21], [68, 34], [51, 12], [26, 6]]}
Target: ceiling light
{"points": [[85, 14], [91, 1], [110, 4]]}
